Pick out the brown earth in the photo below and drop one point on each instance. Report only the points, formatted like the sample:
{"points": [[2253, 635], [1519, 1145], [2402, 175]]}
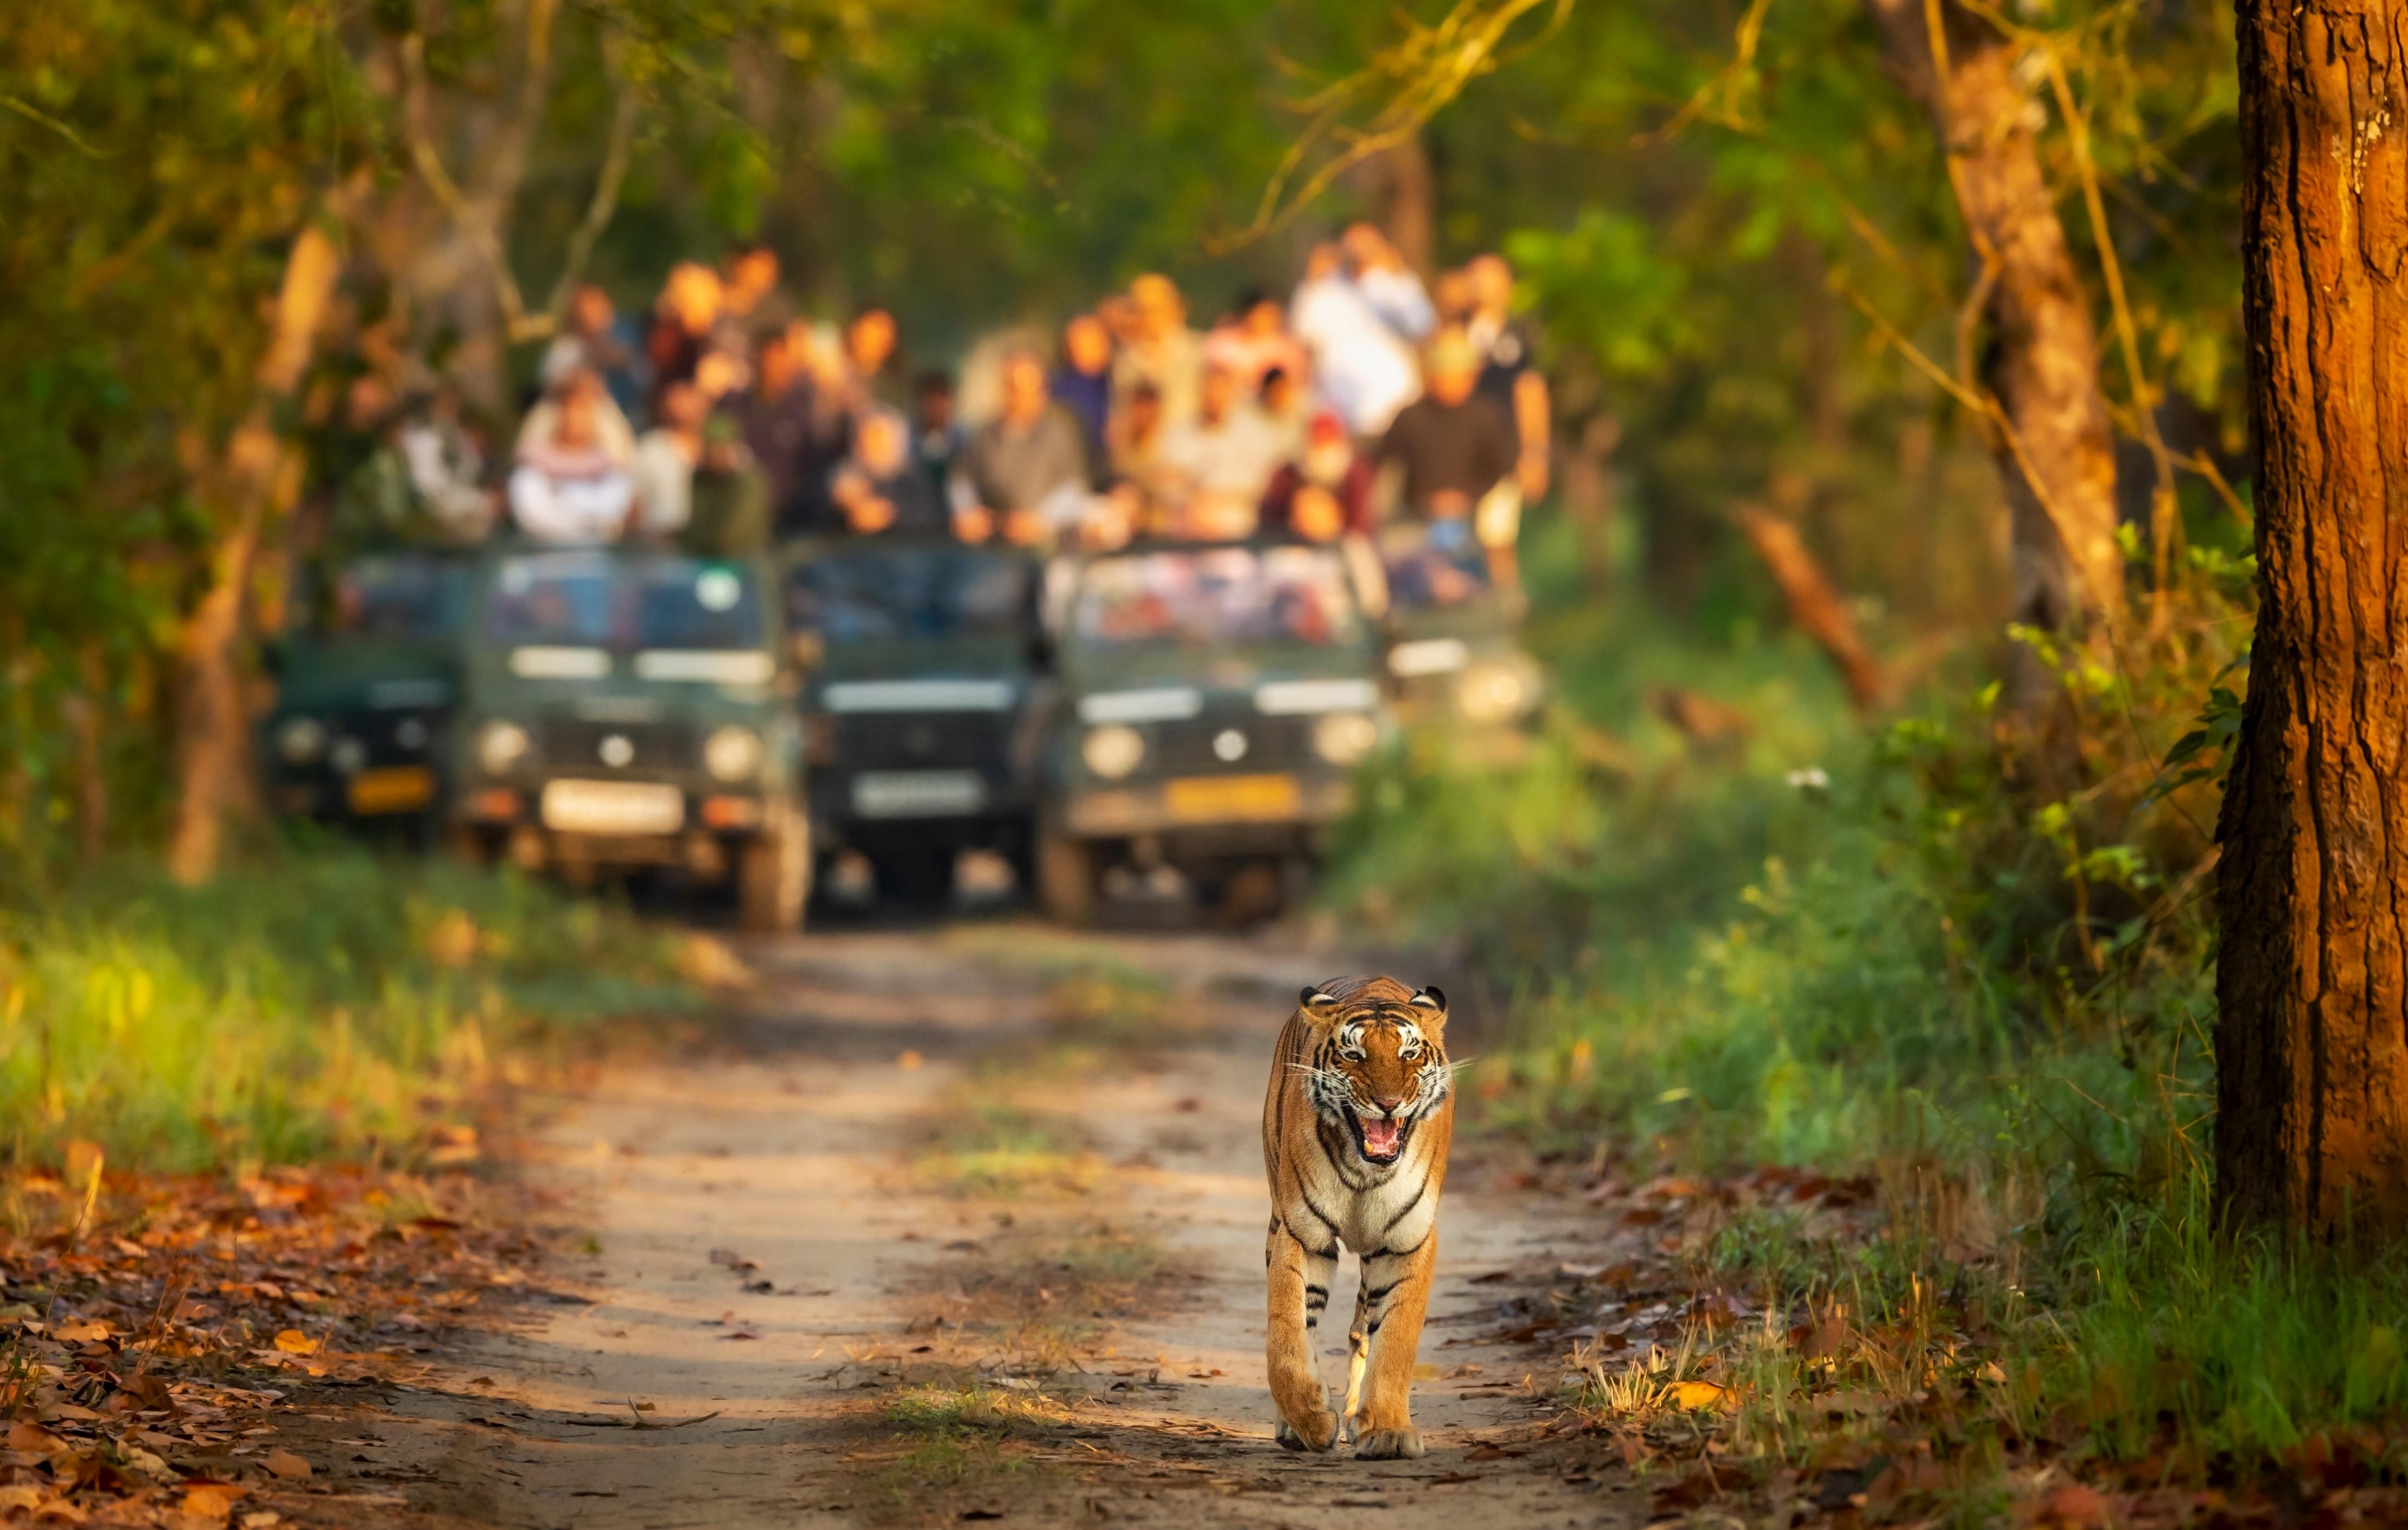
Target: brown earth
{"points": [[959, 1225]]}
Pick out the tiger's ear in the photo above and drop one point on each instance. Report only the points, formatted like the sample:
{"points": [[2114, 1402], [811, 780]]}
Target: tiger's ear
{"points": [[1316, 1005], [1432, 998]]}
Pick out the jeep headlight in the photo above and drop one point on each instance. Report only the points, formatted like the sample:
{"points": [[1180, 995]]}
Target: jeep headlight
{"points": [[1112, 752], [1342, 739], [501, 745], [301, 740], [732, 753], [1491, 693]]}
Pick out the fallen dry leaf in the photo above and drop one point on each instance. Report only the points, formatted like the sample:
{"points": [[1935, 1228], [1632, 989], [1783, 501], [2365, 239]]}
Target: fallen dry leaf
{"points": [[210, 1500], [286, 1464], [25, 1435], [294, 1341], [1698, 1396]]}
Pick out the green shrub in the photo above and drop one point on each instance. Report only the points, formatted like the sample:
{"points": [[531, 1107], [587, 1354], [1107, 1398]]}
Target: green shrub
{"points": [[307, 1003]]}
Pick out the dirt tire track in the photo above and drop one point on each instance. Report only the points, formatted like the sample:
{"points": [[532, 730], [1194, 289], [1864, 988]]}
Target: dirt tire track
{"points": [[798, 1147]]}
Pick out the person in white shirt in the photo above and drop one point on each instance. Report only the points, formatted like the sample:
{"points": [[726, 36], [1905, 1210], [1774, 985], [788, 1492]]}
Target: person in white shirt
{"points": [[1388, 284], [1362, 367], [571, 486], [665, 456]]}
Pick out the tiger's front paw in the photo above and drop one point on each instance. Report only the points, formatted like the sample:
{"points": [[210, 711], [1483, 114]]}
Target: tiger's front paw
{"points": [[1320, 1432], [1390, 1445]]}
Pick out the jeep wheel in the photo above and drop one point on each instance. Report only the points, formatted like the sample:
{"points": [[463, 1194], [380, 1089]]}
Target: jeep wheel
{"points": [[917, 878], [1069, 886], [773, 875]]}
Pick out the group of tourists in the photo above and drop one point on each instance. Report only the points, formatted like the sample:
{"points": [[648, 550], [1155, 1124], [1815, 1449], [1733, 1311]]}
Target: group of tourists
{"points": [[727, 420]]}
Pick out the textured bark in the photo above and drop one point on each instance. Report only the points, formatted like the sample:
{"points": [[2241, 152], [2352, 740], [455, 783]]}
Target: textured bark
{"points": [[213, 760], [2056, 455], [1814, 604], [2311, 1030]]}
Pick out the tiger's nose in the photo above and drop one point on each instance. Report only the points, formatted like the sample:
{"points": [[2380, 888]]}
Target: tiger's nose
{"points": [[1384, 1103]]}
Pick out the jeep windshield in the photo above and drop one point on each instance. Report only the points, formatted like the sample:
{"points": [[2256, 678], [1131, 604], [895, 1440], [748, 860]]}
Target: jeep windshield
{"points": [[392, 598], [1201, 599], [866, 598], [595, 600]]}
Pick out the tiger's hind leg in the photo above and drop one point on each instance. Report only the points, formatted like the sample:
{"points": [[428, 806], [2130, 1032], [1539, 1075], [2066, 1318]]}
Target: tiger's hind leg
{"points": [[1394, 1301], [1299, 1292]]}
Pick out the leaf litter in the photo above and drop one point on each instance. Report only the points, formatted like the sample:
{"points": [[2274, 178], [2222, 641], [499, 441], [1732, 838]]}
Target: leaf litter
{"points": [[155, 1330]]}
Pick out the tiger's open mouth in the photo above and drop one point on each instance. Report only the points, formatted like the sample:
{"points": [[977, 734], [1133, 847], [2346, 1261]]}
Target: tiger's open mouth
{"points": [[1381, 1138]]}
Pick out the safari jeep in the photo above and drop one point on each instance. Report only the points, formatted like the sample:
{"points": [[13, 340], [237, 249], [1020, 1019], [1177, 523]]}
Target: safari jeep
{"points": [[631, 709], [1454, 656], [1215, 700], [368, 677], [917, 717]]}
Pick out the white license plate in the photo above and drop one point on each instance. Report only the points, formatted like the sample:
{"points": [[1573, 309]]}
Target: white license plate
{"points": [[918, 793], [613, 807]]}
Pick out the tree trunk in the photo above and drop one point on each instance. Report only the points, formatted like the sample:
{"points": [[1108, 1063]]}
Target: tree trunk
{"points": [[213, 761], [2312, 1029], [2055, 450], [1591, 489], [1814, 604]]}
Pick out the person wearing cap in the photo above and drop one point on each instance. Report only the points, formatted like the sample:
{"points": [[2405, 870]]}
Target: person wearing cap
{"points": [[1324, 492]]}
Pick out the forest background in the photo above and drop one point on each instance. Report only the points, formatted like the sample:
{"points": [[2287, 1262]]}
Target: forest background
{"points": [[1897, 582]]}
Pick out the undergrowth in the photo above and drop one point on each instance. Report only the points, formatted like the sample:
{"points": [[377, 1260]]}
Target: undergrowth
{"points": [[331, 1001], [1970, 958]]}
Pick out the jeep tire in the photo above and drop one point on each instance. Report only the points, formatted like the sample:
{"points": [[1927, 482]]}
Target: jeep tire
{"points": [[1068, 884], [773, 874]]}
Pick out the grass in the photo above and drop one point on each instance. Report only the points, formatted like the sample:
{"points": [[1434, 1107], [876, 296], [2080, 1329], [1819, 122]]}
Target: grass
{"points": [[996, 1149], [962, 1437], [1894, 965], [327, 1002]]}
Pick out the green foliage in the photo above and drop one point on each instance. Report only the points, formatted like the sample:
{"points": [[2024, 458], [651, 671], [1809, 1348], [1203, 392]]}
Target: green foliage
{"points": [[328, 1003], [1976, 965]]}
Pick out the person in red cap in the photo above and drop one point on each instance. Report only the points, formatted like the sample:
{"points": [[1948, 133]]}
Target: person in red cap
{"points": [[1325, 492]]}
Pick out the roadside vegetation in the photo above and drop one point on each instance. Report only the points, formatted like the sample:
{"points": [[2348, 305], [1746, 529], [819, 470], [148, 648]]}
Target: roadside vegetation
{"points": [[1979, 984], [328, 1003]]}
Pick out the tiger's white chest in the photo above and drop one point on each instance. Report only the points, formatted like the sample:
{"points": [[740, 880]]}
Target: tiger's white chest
{"points": [[1393, 1213]]}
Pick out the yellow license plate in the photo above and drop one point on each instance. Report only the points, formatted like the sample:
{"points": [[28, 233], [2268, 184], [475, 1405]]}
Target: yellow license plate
{"points": [[396, 789], [1221, 799]]}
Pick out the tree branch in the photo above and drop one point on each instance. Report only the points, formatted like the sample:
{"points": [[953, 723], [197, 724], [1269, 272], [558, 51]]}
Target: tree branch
{"points": [[604, 202]]}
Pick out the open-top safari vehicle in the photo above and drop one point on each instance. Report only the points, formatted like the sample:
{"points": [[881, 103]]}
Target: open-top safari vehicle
{"points": [[918, 710], [367, 679], [633, 708], [1214, 701]]}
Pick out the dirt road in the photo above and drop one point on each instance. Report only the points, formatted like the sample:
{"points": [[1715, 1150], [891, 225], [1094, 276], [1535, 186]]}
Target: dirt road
{"points": [[964, 1224]]}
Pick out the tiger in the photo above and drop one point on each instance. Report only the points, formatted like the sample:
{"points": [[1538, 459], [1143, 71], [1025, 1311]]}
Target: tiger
{"points": [[1356, 1128]]}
